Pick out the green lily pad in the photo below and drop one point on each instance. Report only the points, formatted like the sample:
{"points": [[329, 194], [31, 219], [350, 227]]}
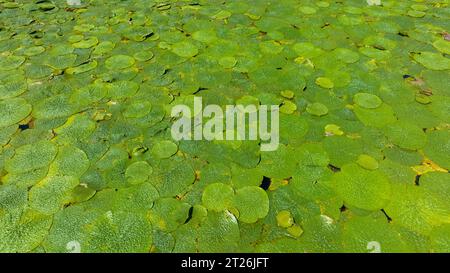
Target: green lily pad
{"points": [[438, 147], [119, 232], [185, 49], [406, 135], [367, 100], [205, 35], [317, 109], [87, 43], [367, 162], [442, 45], [70, 161], [49, 195], [324, 82], [285, 219], [143, 56], [252, 203], [288, 107], [34, 50], [13, 111], [138, 172], [119, 62], [360, 188], [11, 62], [31, 157], [164, 149], [217, 197], [12, 86], [227, 62], [433, 61]]}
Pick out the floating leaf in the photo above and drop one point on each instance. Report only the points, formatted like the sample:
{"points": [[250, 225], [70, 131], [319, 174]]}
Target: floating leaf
{"points": [[252, 203], [31, 157], [217, 196], [138, 172], [119, 62], [367, 100], [367, 162], [13, 111], [324, 82], [49, 195], [432, 60], [406, 135], [164, 149], [360, 188], [317, 109], [11, 62], [185, 49]]}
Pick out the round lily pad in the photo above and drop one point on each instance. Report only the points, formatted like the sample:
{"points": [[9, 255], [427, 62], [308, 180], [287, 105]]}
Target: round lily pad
{"points": [[252, 203], [185, 49], [360, 188], [13, 110], [87, 43], [442, 45], [70, 161], [367, 162], [433, 61], [347, 55], [324, 82], [138, 172], [406, 135], [285, 219], [13, 86], [164, 149], [11, 62], [50, 194], [31, 157], [438, 147], [119, 62], [217, 196], [367, 100], [34, 50], [143, 56], [205, 35], [307, 10], [288, 107], [317, 109], [227, 62], [138, 109]]}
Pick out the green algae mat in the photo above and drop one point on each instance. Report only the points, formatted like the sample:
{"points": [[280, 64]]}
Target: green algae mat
{"points": [[88, 163]]}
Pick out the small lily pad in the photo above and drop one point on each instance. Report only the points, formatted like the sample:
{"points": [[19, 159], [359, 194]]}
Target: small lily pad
{"points": [[11, 62], [364, 189], [87, 43], [119, 62], [185, 49], [252, 203], [433, 61], [285, 219], [217, 197], [324, 82], [31, 157], [227, 62], [164, 149], [406, 135], [138, 172], [367, 162], [13, 110], [367, 100], [317, 109], [288, 107]]}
